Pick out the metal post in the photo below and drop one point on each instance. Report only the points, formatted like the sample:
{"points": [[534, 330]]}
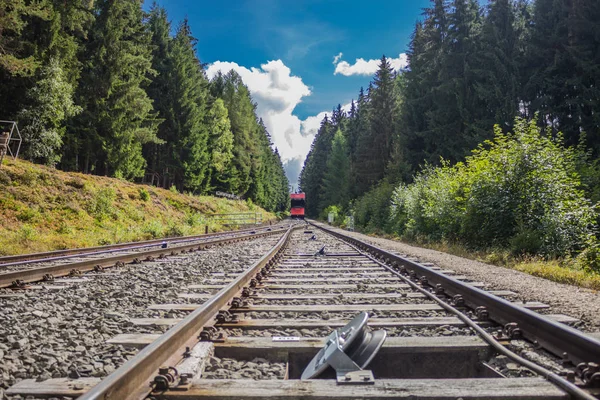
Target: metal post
{"points": [[206, 229]]}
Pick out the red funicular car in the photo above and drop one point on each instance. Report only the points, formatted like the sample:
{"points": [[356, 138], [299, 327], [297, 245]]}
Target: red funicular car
{"points": [[298, 204]]}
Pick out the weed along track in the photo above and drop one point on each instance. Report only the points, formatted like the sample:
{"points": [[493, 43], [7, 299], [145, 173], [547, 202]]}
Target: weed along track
{"points": [[244, 321]]}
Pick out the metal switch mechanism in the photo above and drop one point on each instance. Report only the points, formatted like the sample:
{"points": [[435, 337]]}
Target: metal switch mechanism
{"points": [[348, 350]]}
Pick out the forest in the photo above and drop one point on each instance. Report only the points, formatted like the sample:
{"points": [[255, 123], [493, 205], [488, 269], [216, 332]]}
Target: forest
{"points": [[490, 138], [103, 87]]}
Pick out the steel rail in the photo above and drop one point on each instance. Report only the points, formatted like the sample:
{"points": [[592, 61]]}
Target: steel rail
{"points": [[132, 379], [8, 279], [560, 339], [6, 261], [556, 379]]}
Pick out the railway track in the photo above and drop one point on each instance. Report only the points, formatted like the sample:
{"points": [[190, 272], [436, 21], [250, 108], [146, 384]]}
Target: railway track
{"points": [[250, 334], [16, 271]]}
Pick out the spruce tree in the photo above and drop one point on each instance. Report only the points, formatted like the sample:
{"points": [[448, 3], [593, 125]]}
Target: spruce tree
{"points": [[497, 78], [220, 144], [187, 148], [425, 57], [450, 130], [118, 116], [375, 143], [161, 91], [336, 180], [244, 126], [311, 177], [552, 87]]}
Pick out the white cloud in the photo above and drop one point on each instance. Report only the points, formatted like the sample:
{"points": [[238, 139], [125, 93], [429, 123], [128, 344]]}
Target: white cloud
{"points": [[337, 58], [276, 93], [363, 67]]}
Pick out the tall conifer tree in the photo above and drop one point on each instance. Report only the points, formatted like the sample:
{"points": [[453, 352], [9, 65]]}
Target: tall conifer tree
{"points": [[336, 180], [118, 116]]}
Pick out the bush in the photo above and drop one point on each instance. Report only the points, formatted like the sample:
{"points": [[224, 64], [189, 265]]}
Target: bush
{"points": [[144, 195], [102, 203], [154, 229], [338, 214], [519, 191], [27, 233], [372, 210], [27, 214]]}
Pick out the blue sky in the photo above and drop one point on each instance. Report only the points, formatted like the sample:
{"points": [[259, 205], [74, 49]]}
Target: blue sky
{"points": [[285, 52]]}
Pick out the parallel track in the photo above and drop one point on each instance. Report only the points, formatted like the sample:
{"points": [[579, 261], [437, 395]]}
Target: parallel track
{"points": [[292, 292], [119, 255], [48, 256]]}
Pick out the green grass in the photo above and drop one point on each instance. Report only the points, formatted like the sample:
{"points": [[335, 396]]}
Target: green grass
{"points": [[561, 271], [44, 209]]}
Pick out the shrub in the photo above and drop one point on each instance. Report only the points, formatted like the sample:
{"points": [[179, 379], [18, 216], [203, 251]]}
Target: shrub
{"points": [[27, 214], [102, 203], [27, 233], [5, 179], [372, 210], [144, 195], [519, 191], [154, 229], [76, 183]]}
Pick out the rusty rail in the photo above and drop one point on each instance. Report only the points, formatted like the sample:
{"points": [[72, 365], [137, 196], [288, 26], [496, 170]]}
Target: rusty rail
{"points": [[37, 274], [6, 261], [132, 380], [558, 338]]}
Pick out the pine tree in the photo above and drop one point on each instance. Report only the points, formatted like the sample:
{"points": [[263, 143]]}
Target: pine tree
{"points": [[43, 126], [160, 90], [220, 144], [336, 180], [311, 177], [450, 130], [244, 127], [497, 80], [375, 143], [425, 58], [118, 116], [188, 146]]}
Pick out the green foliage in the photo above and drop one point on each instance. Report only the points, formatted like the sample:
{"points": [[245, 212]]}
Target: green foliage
{"points": [[26, 215], [336, 182], [118, 116], [338, 214], [520, 191], [101, 206], [372, 210], [144, 195], [51, 105], [221, 145], [27, 233]]}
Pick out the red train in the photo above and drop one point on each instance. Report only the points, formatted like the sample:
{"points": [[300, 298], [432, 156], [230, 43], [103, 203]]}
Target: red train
{"points": [[298, 203]]}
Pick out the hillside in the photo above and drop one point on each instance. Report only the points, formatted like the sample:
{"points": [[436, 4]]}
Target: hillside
{"points": [[43, 209]]}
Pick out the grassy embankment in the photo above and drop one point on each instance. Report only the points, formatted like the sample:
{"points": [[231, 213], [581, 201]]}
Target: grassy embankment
{"points": [[43, 209], [561, 270]]}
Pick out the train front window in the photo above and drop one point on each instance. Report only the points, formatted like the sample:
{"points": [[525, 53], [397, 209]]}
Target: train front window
{"points": [[297, 203]]}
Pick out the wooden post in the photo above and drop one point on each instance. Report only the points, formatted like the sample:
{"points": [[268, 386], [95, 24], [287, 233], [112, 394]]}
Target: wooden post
{"points": [[206, 229]]}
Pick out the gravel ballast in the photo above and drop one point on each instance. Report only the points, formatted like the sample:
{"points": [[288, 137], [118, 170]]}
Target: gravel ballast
{"points": [[58, 333], [565, 299]]}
